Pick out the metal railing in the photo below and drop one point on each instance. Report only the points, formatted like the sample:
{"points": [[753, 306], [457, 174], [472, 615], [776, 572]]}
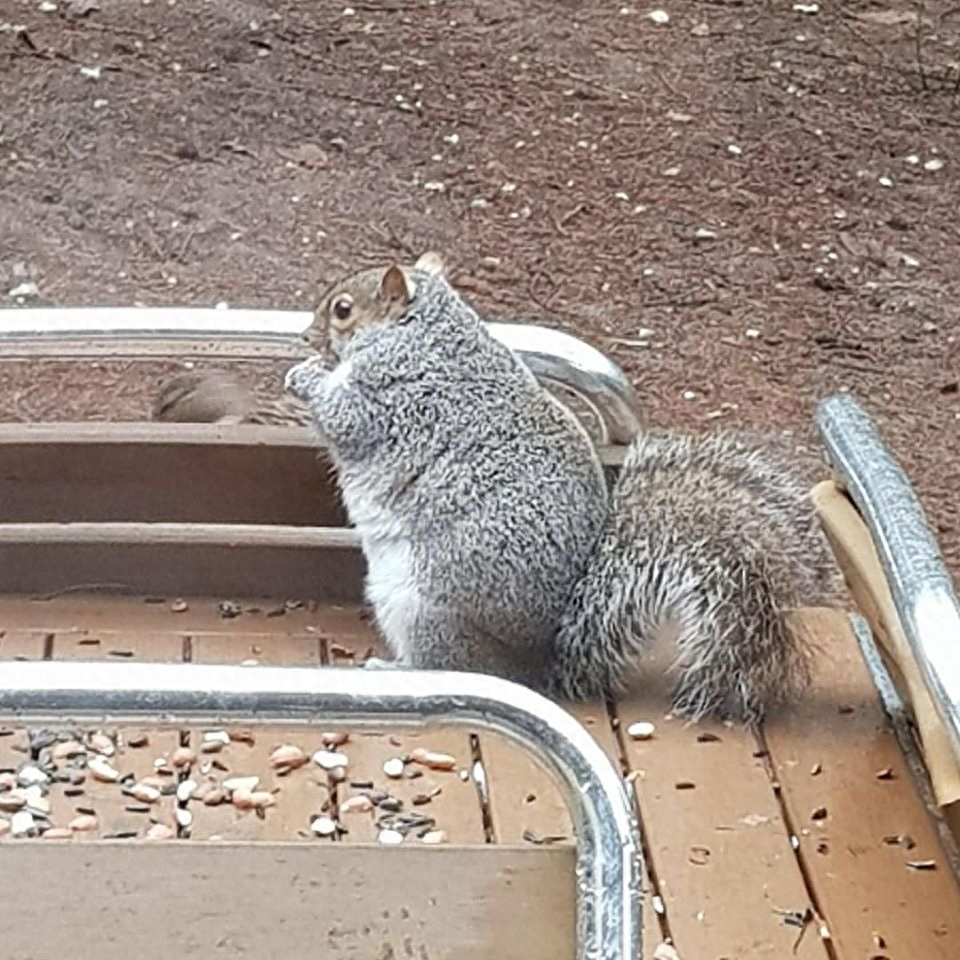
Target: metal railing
{"points": [[609, 867], [553, 355], [919, 581]]}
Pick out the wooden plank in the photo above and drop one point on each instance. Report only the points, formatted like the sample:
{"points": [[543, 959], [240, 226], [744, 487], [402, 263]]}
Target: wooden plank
{"points": [[22, 644], [196, 616], [719, 849], [157, 472], [291, 650], [354, 902], [279, 570], [525, 803], [847, 789], [85, 644]]}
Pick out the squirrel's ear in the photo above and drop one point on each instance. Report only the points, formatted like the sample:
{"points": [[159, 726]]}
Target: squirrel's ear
{"points": [[394, 286], [431, 262]]}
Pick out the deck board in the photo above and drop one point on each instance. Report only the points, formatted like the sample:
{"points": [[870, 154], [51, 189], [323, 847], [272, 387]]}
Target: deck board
{"points": [[828, 753], [720, 851], [22, 644]]}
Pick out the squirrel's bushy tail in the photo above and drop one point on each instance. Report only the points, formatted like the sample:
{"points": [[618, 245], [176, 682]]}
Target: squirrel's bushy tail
{"points": [[710, 544]]}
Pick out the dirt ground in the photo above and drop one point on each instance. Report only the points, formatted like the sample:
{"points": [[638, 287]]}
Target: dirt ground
{"points": [[750, 205]]}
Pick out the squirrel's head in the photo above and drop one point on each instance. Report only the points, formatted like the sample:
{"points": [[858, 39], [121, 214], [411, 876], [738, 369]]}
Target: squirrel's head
{"points": [[369, 297]]}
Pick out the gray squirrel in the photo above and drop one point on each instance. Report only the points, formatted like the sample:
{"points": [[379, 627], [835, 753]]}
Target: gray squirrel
{"points": [[493, 545]]}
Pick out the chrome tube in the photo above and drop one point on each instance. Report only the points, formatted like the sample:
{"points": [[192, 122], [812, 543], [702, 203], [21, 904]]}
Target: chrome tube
{"points": [[553, 355], [559, 357], [920, 583], [609, 866]]}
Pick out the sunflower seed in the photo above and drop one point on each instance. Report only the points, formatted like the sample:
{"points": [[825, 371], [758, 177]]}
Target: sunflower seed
{"points": [[241, 783], [22, 824], [394, 768], [84, 823], [358, 804], [186, 789], [324, 826], [101, 769], [145, 793], [160, 831], [330, 760], [287, 757], [641, 730], [434, 761]]}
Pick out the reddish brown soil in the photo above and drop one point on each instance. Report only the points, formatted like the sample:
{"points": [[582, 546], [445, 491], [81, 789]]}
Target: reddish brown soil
{"points": [[249, 151]]}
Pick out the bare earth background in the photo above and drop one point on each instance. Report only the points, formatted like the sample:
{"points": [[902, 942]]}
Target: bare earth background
{"points": [[749, 206]]}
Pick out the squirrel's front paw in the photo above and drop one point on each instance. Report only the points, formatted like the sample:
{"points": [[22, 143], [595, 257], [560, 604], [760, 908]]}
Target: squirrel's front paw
{"points": [[304, 379]]}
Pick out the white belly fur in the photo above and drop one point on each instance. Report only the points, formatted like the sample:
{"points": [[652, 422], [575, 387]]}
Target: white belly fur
{"points": [[391, 578]]}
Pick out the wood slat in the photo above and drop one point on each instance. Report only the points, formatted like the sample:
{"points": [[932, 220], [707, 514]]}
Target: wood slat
{"points": [[22, 644], [156, 472], [197, 901], [526, 805], [844, 811], [195, 616], [280, 570], [276, 649], [115, 645], [525, 801], [719, 848]]}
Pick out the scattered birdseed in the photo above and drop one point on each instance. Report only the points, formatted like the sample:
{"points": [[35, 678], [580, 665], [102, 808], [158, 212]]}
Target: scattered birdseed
{"points": [[336, 738], [145, 793], [160, 831], [394, 768], [358, 804], [22, 824], [84, 823], [234, 784], [330, 760], [324, 826], [31, 775], [57, 833], [183, 757], [641, 730], [434, 761], [287, 757], [186, 789], [102, 770]]}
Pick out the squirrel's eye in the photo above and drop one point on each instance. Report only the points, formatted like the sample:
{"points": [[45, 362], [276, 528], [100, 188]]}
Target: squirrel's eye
{"points": [[342, 306]]}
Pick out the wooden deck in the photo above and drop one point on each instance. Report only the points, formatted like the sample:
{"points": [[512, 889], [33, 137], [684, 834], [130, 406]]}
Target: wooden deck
{"points": [[811, 841]]}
